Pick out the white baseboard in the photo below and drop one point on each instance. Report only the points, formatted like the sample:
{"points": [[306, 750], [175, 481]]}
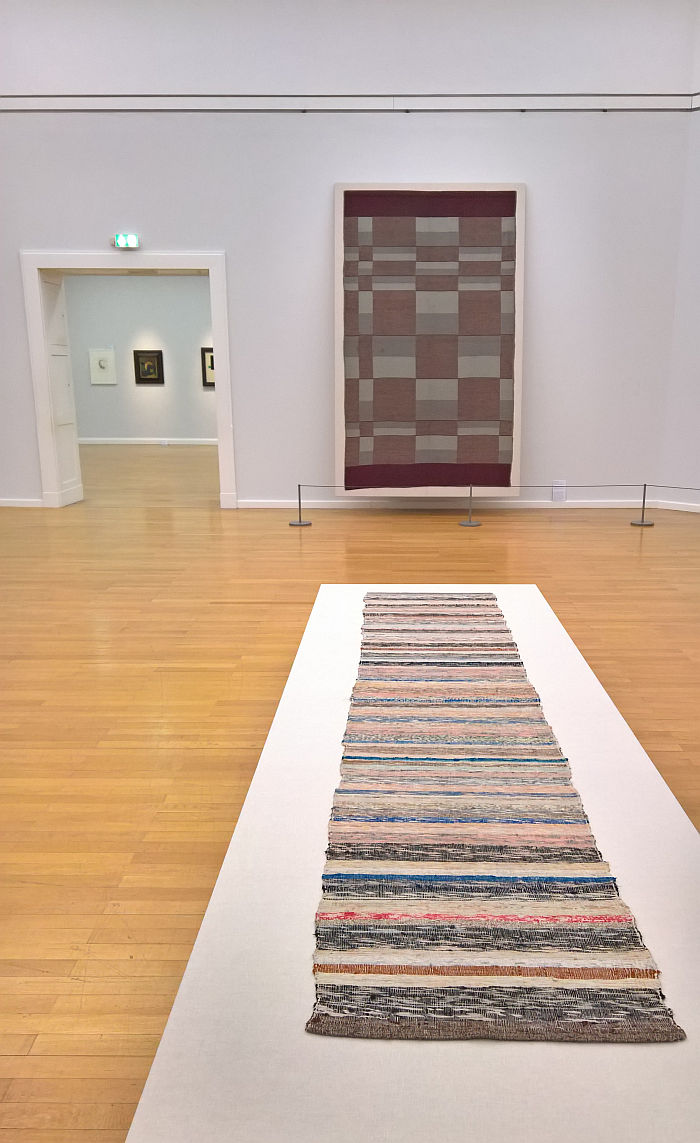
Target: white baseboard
{"points": [[229, 500], [674, 505], [11, 502], [421, 504], [149, 440], [66, 496]]}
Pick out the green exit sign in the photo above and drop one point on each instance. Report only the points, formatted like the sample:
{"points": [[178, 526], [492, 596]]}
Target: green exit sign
{"points": [[127, 241]]}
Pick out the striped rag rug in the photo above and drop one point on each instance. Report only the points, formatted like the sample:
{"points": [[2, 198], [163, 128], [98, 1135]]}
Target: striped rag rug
{"points": [[463, 895]]}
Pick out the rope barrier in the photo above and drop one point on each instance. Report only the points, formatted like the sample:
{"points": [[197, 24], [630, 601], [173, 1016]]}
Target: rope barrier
{"points": [[471, 523]]}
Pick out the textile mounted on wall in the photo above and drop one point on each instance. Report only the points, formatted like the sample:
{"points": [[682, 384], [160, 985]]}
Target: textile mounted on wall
{"points": [[428, 358]]}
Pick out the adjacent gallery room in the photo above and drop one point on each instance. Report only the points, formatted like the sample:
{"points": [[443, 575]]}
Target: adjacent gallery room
{"points": [[128, 424]]}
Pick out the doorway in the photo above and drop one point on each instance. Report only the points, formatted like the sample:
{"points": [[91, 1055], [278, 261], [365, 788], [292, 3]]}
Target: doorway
{"points": [[57, 433]]}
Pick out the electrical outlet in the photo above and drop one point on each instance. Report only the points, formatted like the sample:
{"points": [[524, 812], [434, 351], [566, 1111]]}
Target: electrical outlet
{"points": [[558, 491]]}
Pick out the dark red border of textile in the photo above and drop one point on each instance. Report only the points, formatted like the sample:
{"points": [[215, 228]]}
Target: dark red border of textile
{"points": [[430, 204], [427, 475]]}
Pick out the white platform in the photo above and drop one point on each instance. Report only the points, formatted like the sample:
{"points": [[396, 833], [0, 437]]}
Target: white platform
{"points": [[235, 1065]]}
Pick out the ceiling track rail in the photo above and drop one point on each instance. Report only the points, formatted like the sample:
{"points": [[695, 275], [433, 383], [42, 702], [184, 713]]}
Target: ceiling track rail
{"points": [[586, 102]]}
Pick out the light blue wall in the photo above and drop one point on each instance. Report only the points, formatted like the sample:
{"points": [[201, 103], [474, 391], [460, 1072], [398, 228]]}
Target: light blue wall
{"points": [[133, 312]]}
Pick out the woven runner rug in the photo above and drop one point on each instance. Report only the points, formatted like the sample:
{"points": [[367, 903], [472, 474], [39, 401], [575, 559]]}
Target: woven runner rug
{"points": [[464, 895]]}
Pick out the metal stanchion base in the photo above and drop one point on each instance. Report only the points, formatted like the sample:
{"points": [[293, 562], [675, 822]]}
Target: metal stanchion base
{"points": [[642, 523], [299, 523], [470, 523]]}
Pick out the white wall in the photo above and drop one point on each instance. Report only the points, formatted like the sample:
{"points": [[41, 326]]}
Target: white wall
{"points": [[603, 224], [168, 313], [679, 440], [344, 46], [695, 77]]}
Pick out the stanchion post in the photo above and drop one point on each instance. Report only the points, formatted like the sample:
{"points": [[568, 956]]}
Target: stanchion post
{"points": [[299, 523], [642, 523], [469, 523]]}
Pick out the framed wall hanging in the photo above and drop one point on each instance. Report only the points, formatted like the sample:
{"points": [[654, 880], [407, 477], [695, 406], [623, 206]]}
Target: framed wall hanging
{"points": [[428, 338], [103, 367], [207, 367], [148, 367]]}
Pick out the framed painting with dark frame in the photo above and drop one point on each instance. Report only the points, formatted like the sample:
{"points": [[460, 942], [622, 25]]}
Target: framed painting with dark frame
{"points": [[207, 367], [148, 367]]}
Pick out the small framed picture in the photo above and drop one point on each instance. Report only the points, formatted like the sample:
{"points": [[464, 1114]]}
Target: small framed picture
{"points": [[148, 367], [207, 367], [103, 370]]}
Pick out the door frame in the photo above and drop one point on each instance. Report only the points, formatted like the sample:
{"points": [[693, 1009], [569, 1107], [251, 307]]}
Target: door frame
{"points": [[33, 262]]}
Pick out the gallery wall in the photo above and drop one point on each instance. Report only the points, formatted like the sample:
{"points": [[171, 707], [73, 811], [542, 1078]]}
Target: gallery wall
{"points": [[604, 202], [679, 442], [170, 313], [336, 46], [611, 234]]}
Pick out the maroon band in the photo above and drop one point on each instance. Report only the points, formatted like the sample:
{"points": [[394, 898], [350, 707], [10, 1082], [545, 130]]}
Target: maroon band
{"points": [[430, 204], [427, 475]]}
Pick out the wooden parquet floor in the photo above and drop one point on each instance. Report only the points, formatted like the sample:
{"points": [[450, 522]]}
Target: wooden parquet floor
{"points": [[146, 638]]}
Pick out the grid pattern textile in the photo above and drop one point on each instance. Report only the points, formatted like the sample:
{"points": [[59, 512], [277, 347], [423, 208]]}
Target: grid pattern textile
{"points": [[428, 344], [464, 896]]}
